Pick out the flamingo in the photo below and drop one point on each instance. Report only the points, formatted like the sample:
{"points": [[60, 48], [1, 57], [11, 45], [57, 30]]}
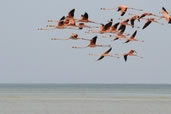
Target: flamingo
{"points": [[132, 38], [101, 31], [84, 18], [73, 36], [166, 15], [104, 54], [60, 25], [119, 35], [130, 53], [122, 9], [133, 18], [93, 44], [149, 21], [147, 14], [103, 28]]}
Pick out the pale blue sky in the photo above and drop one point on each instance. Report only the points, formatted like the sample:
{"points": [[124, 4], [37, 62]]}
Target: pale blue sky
{"points": [[29, 56]]}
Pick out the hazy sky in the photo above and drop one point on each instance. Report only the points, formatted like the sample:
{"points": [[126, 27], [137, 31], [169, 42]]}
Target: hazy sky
{"points": [[29, 56]]}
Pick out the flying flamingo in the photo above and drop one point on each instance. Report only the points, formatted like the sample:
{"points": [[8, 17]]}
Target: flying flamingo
{"points": [[149, 21], [133, 18], [84, 18], [122, 9], [132, 38], [147, 14], [166, 15], [130, 53], [105, 54], [73, 36], [60, 25], [103, 28], [93, 44], [119, 36]]}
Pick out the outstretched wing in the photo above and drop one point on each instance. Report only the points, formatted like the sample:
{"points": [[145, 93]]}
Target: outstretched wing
{"points": [[164, 10], [116, 25], [146, 24], [134, 34], [101, 57], [132, 22], [143, 15], [127, 41], [122, 28], [108, 25], [93, 40], [123, 12], [108, 51], [86, 15], [71, 13], [62, 18]]}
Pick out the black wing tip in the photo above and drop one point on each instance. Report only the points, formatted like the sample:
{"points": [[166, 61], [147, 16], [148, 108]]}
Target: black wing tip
{"points": [[143, 27], [95, 36], [127, 41], [116, 38], [62, 18], [134, 34], [123, 14], [73, 9], [101, 57], [164, 9], [146, 24], [109, 49], [116, 25], [125, 57]]}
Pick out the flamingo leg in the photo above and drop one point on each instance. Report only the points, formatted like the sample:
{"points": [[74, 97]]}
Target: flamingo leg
{"points": [[50, 25], [108, 8], [59, 39], [80, 47], [52, 21], [136, 9], [46, 28]]}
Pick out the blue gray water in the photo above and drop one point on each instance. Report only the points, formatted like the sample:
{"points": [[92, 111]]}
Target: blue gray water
{"points": [[85, 99], [99, 89]]}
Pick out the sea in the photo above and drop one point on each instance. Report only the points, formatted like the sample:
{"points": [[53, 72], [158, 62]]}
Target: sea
{"points": [[85, 99]]}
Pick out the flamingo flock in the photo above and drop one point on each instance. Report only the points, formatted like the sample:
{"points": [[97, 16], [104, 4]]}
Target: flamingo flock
{"points": [[109, 30]]}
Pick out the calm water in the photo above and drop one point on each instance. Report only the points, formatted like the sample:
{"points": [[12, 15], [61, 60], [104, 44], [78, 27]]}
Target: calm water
{"points": [[84, 99]]}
